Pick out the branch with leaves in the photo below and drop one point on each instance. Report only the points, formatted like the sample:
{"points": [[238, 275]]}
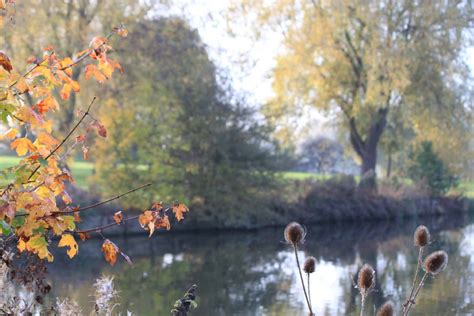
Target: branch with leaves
{"points": [[29, 212]]}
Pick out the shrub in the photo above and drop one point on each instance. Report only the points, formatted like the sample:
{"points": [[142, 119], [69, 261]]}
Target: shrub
{"points": [[428, 168]]}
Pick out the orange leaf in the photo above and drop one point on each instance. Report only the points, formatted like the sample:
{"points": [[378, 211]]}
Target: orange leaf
{"points": [[5, 62], [66, 91], [118, 217], [48, 103], [145, 218], [91, 70], [110, 251], [179, 209], [22, 146], [11, 133], [47, 140]]}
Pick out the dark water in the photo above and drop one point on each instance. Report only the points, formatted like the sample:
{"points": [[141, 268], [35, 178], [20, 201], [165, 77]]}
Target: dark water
{"points": [[254, 273]]}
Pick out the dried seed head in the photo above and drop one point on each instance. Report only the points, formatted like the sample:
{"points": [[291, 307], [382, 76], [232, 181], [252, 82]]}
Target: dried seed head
{"points": [[309, 265], [422, 236], [387, 309], [436, 262], [294, 233], [366, 279]]}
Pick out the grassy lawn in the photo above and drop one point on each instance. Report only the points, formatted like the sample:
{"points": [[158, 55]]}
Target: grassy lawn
{"points": [[81, 170]]}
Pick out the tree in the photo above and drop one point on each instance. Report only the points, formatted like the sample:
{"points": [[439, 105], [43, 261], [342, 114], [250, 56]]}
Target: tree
{"points": [[321, 155], [364, 60], [425, 166], [190, 133]]}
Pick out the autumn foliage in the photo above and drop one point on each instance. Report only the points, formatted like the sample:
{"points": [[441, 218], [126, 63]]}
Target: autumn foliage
{"points": [[35, 208]]}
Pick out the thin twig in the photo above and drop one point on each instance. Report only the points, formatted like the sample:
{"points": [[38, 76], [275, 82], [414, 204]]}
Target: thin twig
{"points": [[65, 138], [86, 54], [25, 74], [100, 228], [106, 201], [301, 278]]}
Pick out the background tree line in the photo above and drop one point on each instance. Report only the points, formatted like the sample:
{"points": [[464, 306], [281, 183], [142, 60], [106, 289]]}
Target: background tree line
{"points": [[391, 73], [172, 118]]}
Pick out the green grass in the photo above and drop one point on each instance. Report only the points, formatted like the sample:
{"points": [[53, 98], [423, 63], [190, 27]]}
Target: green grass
{"points": [[296, 175], [81, 170]]}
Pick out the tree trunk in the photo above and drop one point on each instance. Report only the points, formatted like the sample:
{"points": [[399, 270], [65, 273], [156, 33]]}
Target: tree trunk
{"points": [[366, 148], [389, 163]]}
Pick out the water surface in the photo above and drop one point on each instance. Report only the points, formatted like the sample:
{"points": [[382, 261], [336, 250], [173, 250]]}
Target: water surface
{"points": [[253, 273]]}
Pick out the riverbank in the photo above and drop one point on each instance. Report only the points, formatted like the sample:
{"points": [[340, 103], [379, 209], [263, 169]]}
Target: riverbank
{"points": [[316, 202]]}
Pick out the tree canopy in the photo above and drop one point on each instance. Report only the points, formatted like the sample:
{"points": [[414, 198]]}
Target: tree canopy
{"points": [[189, 133], [372, 63]]}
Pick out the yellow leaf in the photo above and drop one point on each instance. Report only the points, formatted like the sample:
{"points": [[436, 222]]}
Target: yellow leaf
{"points": [[67, 240], [22, 146], [21, 245], [38, 244]]}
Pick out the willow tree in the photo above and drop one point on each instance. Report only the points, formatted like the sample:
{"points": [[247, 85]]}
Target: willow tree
{"points": [[370, 62]]}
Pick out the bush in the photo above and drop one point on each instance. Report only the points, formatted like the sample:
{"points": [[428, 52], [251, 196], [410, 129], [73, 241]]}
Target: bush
{"points": [[426, 167]]}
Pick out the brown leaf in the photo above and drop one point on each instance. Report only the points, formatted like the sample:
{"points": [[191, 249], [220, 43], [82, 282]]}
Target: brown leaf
{"points": [[101, 130], [5, 62], [84, 236], [163, 222]]}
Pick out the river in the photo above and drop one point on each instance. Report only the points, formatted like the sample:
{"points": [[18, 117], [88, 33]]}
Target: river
{"points": [[253, 273]]}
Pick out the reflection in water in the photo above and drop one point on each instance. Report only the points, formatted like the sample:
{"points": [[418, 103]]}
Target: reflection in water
{"points": [[253, 273]]}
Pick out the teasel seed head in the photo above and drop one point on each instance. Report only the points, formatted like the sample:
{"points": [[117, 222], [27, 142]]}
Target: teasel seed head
{"points": [[366, 279], [294, 233], [436, 262], [387, 309], [309, 265], [421, 236]]}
